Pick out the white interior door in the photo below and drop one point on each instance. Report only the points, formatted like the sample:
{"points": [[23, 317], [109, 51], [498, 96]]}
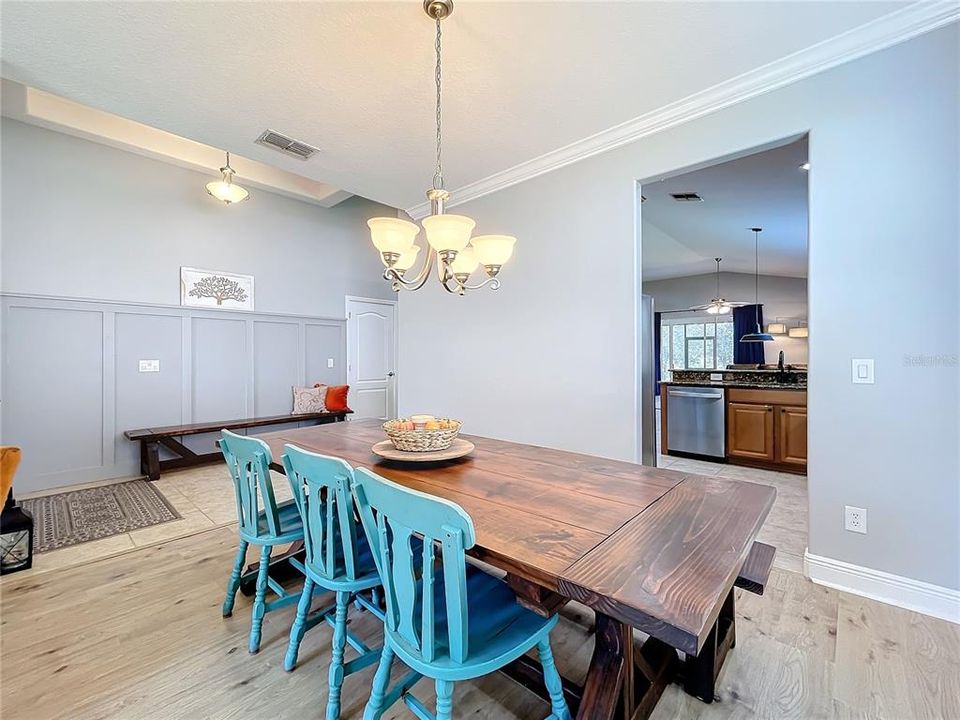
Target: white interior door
{"points": [[372, 357]]}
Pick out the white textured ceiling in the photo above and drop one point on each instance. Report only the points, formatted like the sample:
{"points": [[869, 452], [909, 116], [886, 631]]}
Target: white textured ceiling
{"points": [[766, 189], [356, 78]]}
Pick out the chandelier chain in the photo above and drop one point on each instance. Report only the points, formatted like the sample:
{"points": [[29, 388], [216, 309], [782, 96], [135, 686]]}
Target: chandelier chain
{"points": [[438, 175]]}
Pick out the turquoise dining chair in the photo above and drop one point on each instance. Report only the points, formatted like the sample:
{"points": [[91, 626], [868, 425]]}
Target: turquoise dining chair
{"points": [[449, 622], [337, 560], [261, 522]]}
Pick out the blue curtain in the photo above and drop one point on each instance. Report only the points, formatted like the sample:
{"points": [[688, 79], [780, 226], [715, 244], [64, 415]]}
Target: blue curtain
{"points": [[745, 321], [656, 350]]}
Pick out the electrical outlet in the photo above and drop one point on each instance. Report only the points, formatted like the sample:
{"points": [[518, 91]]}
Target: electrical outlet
{"points": [[855, 519], [149, 366], [329, 362]]}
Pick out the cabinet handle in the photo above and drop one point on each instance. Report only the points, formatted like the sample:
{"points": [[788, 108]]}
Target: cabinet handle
{"points": [[769, 409]]}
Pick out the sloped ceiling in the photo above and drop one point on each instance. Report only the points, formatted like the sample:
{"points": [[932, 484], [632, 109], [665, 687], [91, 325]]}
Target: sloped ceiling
{"points": [[767, 189]]}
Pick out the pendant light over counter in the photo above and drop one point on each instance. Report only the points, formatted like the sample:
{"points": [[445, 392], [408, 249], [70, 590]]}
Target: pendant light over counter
{"points": [[759, 335]]}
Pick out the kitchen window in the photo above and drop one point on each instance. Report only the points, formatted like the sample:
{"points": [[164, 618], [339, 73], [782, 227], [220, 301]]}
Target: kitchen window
{"points": [[695, 344]]}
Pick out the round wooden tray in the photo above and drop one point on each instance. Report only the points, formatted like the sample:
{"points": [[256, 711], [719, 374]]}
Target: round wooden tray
{"points": [[458, 449]]}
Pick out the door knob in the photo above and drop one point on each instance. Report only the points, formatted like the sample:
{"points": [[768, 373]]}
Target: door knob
{"points": [[390, 374]]}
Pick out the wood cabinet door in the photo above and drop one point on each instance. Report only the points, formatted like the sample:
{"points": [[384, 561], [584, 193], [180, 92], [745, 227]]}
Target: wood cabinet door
{"points": [[750, 431], [792, 435]]}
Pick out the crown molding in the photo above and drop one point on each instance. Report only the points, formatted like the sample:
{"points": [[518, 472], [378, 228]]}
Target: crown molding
{"points": [[896, 27]]}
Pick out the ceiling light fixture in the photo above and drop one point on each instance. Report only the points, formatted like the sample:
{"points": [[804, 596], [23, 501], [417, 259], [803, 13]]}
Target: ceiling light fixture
{"points": [[759, 335], [224, 189], [719, 306], [456, 254], [777, 328]]}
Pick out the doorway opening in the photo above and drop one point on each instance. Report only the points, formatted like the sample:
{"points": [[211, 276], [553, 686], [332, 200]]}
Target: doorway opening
{"points": [[723, 263]]}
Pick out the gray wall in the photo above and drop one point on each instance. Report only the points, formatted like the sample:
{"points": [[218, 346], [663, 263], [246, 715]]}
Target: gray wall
{"points": [[782, 297], [84, 220], [92, 242], [556, 345]]}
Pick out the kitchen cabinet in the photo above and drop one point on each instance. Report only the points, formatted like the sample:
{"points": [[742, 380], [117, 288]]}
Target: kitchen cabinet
{"points": [[750, 431], [767, 428], [792, 435]]}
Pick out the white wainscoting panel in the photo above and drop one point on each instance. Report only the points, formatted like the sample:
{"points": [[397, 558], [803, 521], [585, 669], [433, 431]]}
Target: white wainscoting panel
{"points": [[72, 383]]}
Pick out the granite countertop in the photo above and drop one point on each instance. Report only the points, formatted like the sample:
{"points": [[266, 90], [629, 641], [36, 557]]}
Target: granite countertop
{"points": [[739, 384], [751, 378], [764, 371]]}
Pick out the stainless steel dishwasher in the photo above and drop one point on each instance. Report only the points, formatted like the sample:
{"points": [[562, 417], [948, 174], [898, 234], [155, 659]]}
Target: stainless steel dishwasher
{"points": [[695, 420]]}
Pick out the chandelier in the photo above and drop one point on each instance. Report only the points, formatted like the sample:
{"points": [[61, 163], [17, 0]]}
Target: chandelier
{"points": [[455, 253]]}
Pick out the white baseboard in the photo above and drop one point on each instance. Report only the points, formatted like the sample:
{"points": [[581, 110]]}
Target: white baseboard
{"points": [[921, 597]]}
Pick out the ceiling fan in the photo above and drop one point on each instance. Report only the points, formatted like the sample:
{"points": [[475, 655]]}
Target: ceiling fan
{"points": [[719, 306]]}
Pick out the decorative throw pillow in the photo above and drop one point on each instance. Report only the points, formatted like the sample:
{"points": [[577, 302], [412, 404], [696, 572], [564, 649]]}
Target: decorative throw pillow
{"points": [[336, 399], [309, 400]]}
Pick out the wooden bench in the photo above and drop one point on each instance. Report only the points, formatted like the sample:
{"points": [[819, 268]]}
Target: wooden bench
{"points": [[152, 438]]}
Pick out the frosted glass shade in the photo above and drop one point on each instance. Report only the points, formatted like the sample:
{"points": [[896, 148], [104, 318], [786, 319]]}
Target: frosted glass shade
{"points": [[448, 232], [799, 332], [465, 262], [493, 249], [407, 258], [718, 309], [227, 192], [392, 235], [777, 328]]}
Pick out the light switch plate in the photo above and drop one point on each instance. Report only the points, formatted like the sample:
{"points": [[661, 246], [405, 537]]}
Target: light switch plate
{"points": [[329, 362], [862, 371], [149, 366]]}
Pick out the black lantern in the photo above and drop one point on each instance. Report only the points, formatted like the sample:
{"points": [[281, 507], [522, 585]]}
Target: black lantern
{"points": [[16, 537]]}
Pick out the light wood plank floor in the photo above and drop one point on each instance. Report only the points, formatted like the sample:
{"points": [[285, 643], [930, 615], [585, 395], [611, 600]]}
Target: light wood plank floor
{"points": [[139, 635]]}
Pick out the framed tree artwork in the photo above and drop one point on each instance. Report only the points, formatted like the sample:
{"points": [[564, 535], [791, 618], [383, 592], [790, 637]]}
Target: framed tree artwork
{"points": [[215, 289]]}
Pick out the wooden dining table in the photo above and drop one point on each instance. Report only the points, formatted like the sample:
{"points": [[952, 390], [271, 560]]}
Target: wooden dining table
{"points": [[647, 548]]}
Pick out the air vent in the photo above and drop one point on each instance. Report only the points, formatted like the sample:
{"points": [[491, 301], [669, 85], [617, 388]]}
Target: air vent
{"points": [[686, 197], [287, 145]]}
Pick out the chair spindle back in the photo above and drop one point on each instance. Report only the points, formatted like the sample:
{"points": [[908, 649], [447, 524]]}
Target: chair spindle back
{"points": [[391, 516], [323, 489], [248, 460]]}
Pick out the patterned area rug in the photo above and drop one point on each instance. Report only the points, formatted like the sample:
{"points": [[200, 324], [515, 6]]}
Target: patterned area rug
{"points": [[79, 516]]}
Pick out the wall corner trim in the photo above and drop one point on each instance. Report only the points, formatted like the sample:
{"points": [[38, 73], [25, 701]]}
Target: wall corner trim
{"points": [[883, 32], [934, 600]]}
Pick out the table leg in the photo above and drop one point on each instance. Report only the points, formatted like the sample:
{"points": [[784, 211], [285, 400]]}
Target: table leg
{"points": [[629, 685], [602, 693], [279, 568], [700, 672], [656, 667]]}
